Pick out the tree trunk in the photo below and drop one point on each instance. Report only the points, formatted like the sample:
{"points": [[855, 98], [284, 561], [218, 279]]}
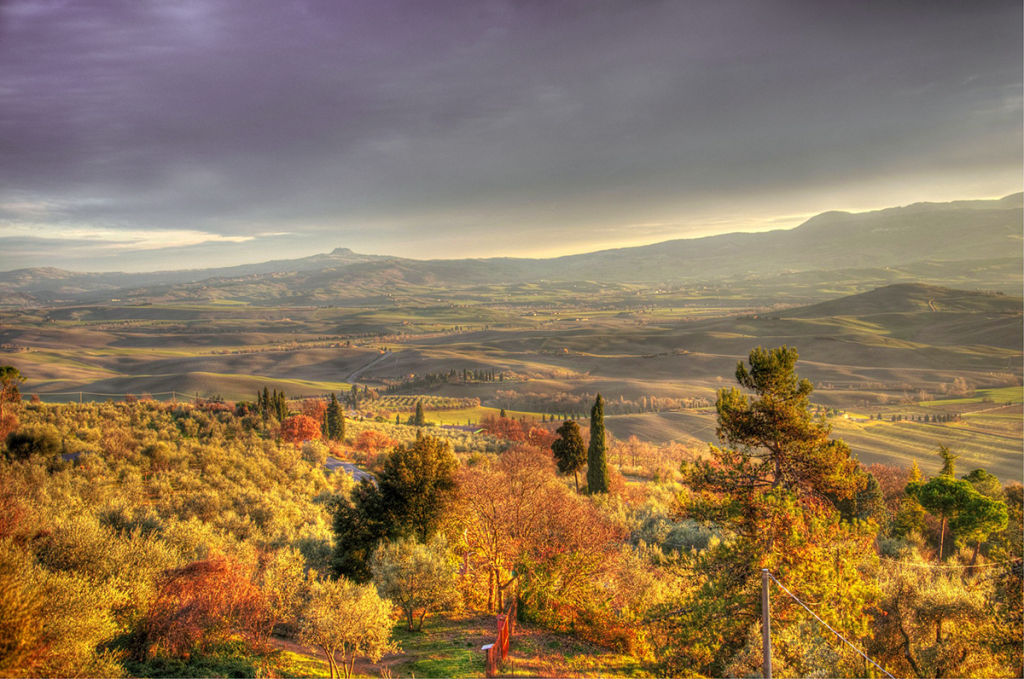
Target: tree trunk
{"points": [[408, 616], [419, 628], [942, 539], [974, 557], [577, 480], [330, 660]]}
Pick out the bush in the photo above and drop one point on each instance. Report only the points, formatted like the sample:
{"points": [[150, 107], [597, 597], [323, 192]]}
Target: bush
{"points": [[28, 441]]}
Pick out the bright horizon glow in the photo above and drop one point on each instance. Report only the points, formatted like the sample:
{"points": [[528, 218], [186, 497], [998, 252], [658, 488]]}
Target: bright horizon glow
{"points": [[129, 240]]}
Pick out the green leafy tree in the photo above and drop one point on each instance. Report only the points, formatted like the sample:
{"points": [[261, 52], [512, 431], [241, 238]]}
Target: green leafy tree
{"points": [[335, 419], [418, 578], [281, 582], [598, 479], [937, 624], [414, 496], [867, 504], [361, 522], [985, 483], [968, 514], [346, 618], [417, 485], [569, 450], [22, 634]]}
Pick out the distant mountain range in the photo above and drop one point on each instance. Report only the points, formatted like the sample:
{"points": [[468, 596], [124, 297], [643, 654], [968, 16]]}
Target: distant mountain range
{"points": [[962, 231]]}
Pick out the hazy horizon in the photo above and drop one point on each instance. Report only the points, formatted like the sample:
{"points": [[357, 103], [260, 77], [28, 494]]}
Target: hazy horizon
{"points": [[540, 255]]}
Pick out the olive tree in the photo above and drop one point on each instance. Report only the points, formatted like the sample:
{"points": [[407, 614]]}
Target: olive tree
{"points": [[418, 578], [343, 617]]}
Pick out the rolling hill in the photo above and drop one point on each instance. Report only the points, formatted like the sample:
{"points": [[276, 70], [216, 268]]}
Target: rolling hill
{"points": [[962, 236]]}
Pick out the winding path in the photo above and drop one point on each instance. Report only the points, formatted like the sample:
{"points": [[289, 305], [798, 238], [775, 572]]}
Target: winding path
{"points": [[355, 376], [333, 464]]}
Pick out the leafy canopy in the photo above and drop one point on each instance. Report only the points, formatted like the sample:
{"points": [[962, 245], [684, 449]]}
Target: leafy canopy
{"points": [[569, 450]]}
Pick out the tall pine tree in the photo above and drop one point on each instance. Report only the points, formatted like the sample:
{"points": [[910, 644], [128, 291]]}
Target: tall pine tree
{"points": [[597, 455]]}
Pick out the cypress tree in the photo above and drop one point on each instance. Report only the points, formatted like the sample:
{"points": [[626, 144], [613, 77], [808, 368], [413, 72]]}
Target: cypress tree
{"points": [[335, 420], [502, 415], [281, 406], [597, 455], [421, 419]]}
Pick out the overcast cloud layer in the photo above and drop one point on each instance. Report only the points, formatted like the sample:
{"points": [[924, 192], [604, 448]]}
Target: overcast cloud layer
{"points": [[169, 134]]}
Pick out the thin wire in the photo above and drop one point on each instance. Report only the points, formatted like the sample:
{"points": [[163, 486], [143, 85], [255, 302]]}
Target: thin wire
{"points": [[992, 564], [793, 597]]}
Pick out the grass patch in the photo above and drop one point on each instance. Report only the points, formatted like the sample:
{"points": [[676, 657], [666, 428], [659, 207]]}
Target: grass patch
{"points": [[288, 665], [998, 395], [447, 647], [535, 652]]}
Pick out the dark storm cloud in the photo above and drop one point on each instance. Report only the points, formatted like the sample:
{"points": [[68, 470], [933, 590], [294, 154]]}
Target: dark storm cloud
{"points": [[411, 128]]}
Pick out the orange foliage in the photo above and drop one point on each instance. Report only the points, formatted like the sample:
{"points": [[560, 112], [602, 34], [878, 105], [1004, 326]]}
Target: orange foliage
{"points": [[299, 428], [199, 604], [520, 515], [540, 437], [8, 423], [315, 408], [503, 428], [518, 431], [372, 442]]}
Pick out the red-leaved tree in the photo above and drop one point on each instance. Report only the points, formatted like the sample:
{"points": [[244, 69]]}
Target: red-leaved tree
{"points": [[299, 428]]}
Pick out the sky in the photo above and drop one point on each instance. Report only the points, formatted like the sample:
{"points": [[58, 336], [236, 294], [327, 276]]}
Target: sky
{"points": [[163, 134]]}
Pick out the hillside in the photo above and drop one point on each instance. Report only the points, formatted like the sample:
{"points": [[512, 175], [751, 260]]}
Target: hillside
{"points": [[910, 298], [962, 236]]}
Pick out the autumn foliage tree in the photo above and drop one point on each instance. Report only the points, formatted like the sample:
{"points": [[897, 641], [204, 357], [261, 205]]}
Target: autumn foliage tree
{"points": [[520, 517], [299, 428], [196, 605], [372, 442], [315, 408]]}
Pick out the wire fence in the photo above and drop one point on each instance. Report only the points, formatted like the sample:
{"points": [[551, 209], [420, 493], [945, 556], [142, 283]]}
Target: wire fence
{"points": [[90, 396], [80, 395], [829, 627]]}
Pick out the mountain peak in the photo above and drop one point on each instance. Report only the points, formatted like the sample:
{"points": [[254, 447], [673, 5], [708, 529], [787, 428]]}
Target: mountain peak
{"points": [[342, 251]]}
